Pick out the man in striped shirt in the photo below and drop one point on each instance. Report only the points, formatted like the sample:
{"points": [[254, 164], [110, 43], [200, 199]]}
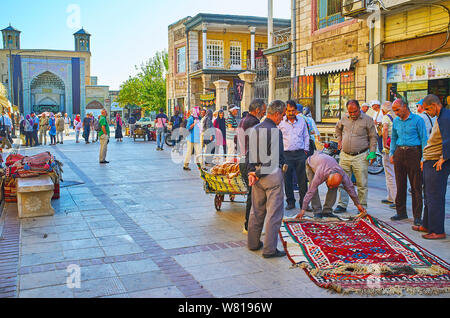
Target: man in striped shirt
{"points": [[232, 126]]}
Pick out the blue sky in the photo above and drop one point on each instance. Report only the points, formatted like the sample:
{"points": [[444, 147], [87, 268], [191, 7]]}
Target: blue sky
{"points": [[124, 33]]}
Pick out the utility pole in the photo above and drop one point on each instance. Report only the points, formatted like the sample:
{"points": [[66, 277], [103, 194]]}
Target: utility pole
{"points": [[270, 25]]}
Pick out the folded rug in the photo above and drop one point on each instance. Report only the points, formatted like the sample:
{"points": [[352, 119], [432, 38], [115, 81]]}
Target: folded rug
{"points": [[365, 256]]}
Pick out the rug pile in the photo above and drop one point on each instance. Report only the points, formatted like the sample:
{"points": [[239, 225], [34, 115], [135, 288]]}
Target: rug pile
{"points": [[365, 256]]}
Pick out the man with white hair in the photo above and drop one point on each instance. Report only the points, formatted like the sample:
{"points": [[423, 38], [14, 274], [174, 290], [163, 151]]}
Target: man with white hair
{"points": [[388, 121], [365, 108], [378, 120]]}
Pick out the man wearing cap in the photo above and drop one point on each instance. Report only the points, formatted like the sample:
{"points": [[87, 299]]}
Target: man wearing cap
{"points": [[429, 121], [378, 120], [409, 138], [388, 122], [232, 126], [365, 108], [322, 168], [357, 140]]}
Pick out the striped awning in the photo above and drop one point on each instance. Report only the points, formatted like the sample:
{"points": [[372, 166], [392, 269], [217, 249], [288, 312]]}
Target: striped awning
{"points": [[333, 67]]}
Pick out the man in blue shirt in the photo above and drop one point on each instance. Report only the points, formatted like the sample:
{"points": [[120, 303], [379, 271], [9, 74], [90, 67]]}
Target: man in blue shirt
{"points": [[193, 140], [409, 138]]}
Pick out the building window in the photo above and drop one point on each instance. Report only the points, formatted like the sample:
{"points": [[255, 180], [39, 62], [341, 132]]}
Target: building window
{"points": [[335, 91], [214, 53], [181, 60], [235, 55], [329, 13]]}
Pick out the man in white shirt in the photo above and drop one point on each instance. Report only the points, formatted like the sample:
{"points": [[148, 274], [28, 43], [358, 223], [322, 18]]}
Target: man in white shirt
{"points": [[429, 121], [296, 146], [6, 122], [378, 121], [67, 122]]}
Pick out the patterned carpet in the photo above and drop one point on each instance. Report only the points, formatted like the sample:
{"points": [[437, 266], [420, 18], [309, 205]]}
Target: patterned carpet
{"points": [[365, 256]]}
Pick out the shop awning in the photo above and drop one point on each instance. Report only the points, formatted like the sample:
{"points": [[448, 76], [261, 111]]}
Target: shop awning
{"points": [[333, 67]]}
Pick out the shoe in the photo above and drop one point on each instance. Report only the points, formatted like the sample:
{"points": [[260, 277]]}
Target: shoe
{"points": [[244, 230], [327, 215], [276, 254], [419, 229], [399, 217], [290, 207], [393, 206], [157, 149], [103, 162], [417, 222], [260, 246], [186, 168], [340, 209], [309, 209], [62, 143], [434, 236], [386, 202]]}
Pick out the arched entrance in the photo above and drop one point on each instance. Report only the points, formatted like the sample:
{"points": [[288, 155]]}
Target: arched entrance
{"points": [[95, 107], [48, 93]]}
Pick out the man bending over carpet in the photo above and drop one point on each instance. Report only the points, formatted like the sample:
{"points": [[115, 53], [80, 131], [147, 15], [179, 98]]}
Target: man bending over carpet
{"points": [[322, 168]]}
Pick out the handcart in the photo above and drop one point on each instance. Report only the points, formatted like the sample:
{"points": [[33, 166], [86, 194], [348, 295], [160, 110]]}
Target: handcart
{"points": [[222, 185]]}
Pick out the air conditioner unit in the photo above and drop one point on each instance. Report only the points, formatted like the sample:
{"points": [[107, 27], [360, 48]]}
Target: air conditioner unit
{"points": [[354, 8]]}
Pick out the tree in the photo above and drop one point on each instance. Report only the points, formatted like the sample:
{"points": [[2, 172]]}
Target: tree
{"points": [[148, 88]]}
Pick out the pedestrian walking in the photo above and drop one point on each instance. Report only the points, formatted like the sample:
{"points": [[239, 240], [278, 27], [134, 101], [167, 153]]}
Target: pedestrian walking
{"points": [[103, 136], [321, 168], [313, 130], [357, 140], [193, 139], [87, 128], [119, 125], [59, 129], [43, 128], [207, 135], [52, 129], [67, 123], [232, 126], [409, 138], [266, 179], [161, 129], [176, 121], [5, 129], [436, 170], [77, 126], [28, 129], [296, 143], [35, 129], [221, 133], [256, 111], [391, 185]]}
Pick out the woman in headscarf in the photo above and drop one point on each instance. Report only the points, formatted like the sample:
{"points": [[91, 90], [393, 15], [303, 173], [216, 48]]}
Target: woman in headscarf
{"points": [[119, 124], [52, 129], [221, 132], [28, 129], [77, 124]]}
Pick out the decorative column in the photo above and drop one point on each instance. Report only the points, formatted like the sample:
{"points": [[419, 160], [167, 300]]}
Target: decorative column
{"points": [[249, 79], [271, 60], [252, 35], [204, 45], [221, 94]]}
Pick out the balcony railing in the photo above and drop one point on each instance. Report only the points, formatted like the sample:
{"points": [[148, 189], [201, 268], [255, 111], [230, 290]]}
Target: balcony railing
{"points": [[282, 36], [222, 64]]}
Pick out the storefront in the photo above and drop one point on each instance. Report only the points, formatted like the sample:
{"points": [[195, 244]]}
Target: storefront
{"points": [[326, 88], [414, 80]]}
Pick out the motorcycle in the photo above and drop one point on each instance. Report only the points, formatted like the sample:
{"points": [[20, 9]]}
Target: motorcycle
{"points": [[332, 149]]}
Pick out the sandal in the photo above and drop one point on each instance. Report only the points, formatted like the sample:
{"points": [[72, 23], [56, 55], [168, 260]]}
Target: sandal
{"points": [[434, 236], [419, 229]]}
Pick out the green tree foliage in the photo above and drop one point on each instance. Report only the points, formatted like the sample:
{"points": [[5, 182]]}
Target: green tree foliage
{"points": [[148, 88]]}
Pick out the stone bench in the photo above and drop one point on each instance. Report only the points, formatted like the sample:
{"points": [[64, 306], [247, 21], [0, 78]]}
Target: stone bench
{"points": [[34, 197]]}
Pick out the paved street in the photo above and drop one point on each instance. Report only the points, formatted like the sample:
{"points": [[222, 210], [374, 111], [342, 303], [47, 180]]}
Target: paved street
{"points": [[142, 227]]}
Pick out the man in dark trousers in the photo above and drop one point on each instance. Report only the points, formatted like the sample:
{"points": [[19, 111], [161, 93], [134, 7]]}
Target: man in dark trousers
{"points": [[264, 161], [409, 138], [296, 146], [87, 128], [256, 111], [436, 169]]}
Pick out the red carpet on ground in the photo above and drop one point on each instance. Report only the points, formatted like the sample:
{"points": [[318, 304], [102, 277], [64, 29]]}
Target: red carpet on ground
{"points": [[365, 256]]}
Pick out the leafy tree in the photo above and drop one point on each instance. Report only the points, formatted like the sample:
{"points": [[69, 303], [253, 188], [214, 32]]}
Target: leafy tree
{"points": [[148, 88]]}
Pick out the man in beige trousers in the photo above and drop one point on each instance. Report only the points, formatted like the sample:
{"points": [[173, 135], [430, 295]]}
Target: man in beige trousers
{"points": [[103, 135]]}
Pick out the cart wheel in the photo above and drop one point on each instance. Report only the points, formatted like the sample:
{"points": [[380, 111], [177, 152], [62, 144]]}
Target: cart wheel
{"points": [[218, 202], [232, 197]]}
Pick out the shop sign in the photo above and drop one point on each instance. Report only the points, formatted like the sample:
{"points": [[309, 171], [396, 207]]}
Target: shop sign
{"points": [[422, 70], [208, 100]]}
